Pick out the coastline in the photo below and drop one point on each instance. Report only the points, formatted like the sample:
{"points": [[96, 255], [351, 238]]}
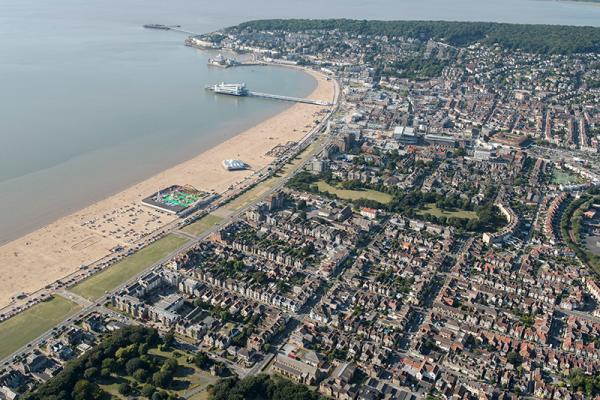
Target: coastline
{"points": [[54, 251]]}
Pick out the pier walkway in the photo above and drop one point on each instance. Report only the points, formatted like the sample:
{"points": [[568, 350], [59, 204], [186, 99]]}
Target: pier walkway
{"points": [[288, 98], [184, 31]]}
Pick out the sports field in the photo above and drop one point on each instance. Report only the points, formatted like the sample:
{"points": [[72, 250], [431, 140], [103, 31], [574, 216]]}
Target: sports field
{"points": [[346, 194], [24, 327], [95, 286], [203, 224]]}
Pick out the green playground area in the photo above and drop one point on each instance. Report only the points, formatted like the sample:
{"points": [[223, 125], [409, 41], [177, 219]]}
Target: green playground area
{"points": [[178, 198]]}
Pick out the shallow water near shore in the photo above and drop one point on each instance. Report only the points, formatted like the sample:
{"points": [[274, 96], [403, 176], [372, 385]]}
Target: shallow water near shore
{"points": [[90, 102]]}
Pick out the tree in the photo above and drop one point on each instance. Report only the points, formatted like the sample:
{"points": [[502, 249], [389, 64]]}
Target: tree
{"points": [[159, 395], [168, 340], [202, 361], [133, 365], [125, 353], [260, 387], [170, 365], [301, 205], [81, 388], [143, 349], [148, 390], [140, 375], [460, 152], [110, 364], [162, 378], [221, 369], [85, 390], [514, 358], [90, 373], [124, 388]]}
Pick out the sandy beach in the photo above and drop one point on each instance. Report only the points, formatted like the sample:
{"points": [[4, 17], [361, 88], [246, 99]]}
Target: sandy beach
{"points": [[60, 248]]}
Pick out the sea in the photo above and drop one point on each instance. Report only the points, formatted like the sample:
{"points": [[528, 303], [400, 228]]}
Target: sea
{"points": [[91, 102]]}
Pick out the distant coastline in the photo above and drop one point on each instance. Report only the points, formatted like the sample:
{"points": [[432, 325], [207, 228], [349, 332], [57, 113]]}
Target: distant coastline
{"points": [[581, 1], [531, 38]]}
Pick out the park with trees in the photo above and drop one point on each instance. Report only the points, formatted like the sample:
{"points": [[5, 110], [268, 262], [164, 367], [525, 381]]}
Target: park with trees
{"points": [[132, 362]]}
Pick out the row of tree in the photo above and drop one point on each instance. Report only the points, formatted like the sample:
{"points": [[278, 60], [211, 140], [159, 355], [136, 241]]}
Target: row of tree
{"points": [[261, 387]]}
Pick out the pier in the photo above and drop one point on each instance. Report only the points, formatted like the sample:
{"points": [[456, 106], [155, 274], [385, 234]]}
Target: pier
{"points": [[176, 28], [288, 98], [239, 90], [184, 31]]}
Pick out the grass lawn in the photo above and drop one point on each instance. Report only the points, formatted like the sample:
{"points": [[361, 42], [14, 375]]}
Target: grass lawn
{"points": [[346, 194], [188, 376], [95, 286], [565, 178], [202, 225], [432, 209], [111, 386], [200, 396], [251, 195], [28, 325]]}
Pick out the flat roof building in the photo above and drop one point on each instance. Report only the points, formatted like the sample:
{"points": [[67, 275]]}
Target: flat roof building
{"points": [[440, 140]]}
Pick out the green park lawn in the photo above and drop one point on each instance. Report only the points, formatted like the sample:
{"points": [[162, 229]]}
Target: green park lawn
{"points": [[187, 373], [432, 209], [203, 224], [200, 396], [96, 285], [565, 178], [24, 327], [346, 194], [252, 194], [187, 377], [111, 386]]}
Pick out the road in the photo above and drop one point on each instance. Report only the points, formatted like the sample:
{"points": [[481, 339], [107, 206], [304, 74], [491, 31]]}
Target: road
{"points": [[89, 307]]}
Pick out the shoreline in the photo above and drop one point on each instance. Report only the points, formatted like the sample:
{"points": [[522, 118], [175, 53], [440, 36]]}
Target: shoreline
{"points": [[58, 249], [200, 139]]}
